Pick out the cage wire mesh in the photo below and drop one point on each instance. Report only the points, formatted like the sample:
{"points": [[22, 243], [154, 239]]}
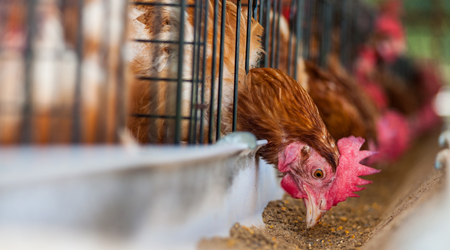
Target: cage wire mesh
{"points": [[188, 95], [61, 78]]}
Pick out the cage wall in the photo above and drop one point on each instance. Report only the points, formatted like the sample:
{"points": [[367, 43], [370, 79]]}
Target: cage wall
{"points": [[61, 71], [64, 78], [189, 95]]}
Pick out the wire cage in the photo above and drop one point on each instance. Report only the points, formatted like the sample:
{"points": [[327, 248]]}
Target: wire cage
{"points": [[61, 71], [64, 78], [190, 95]]}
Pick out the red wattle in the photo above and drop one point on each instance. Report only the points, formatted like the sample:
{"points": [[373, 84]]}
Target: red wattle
{"points": [[290, 186]]}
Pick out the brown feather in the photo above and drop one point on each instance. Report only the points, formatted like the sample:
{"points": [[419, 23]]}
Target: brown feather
{"points": [[273, 106], [356, 96], [340, 104], [401, 97]]}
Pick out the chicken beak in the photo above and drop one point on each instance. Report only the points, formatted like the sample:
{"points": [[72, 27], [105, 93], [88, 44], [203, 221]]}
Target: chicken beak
{"points": [[313, 210]]}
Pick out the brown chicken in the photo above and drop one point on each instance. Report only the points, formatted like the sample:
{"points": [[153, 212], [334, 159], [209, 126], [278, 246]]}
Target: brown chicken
{"points": [[341, 104], [161, 60], [273, 106]]}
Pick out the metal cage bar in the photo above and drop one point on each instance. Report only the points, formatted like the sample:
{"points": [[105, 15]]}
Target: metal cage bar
{"points": [[310, 22], [292, 24], [299, 22], [205, 39], [343, 32], [27, 108], [195, 72], [76, 134], [308, 28], [277, 58], [222, 51], [266, 34], [213, 73], [327, 15], [272, 37], [180, 75], [236, 66], [121, 76], [248, 39]]}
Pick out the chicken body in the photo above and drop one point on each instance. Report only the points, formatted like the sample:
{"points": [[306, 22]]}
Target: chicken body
{"points": [[273, 106], [161, 60], [343, 106]]}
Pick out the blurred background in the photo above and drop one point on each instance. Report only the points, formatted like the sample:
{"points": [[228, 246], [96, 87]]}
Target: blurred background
{"points": [[111, 136], [426, 24]]}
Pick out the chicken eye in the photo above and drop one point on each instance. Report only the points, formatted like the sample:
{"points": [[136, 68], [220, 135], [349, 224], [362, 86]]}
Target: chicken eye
{"points": [[318, 173]]}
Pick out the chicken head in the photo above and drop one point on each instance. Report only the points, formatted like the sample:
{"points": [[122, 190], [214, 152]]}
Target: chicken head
{"points": [[310, 177]]}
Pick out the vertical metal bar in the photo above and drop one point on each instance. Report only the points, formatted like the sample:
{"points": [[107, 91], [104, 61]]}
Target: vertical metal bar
{"points": [[327, 14], [180, 75], [299, 24], [356, 31], [291, 34], [352, 19], [248, 40], [101, 129], [194, 91], [198, 27], [120, 100], [255, 10], [57, 110], [305, 24], [349, 20], [260, 19], [222, 50], [261, 11], [213, 73], [27, 106], [312, 12], [155, 93], [351, 30], [343, 32], [272, 38], [277, 57], [205, 41], [307, 28], [76, 117], [236, 64], [266, 36], [317, 31]]}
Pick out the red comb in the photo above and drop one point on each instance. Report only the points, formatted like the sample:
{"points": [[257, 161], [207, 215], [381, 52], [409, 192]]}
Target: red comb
{"points": [[348, 170], [389, 26], [368, 54]]}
